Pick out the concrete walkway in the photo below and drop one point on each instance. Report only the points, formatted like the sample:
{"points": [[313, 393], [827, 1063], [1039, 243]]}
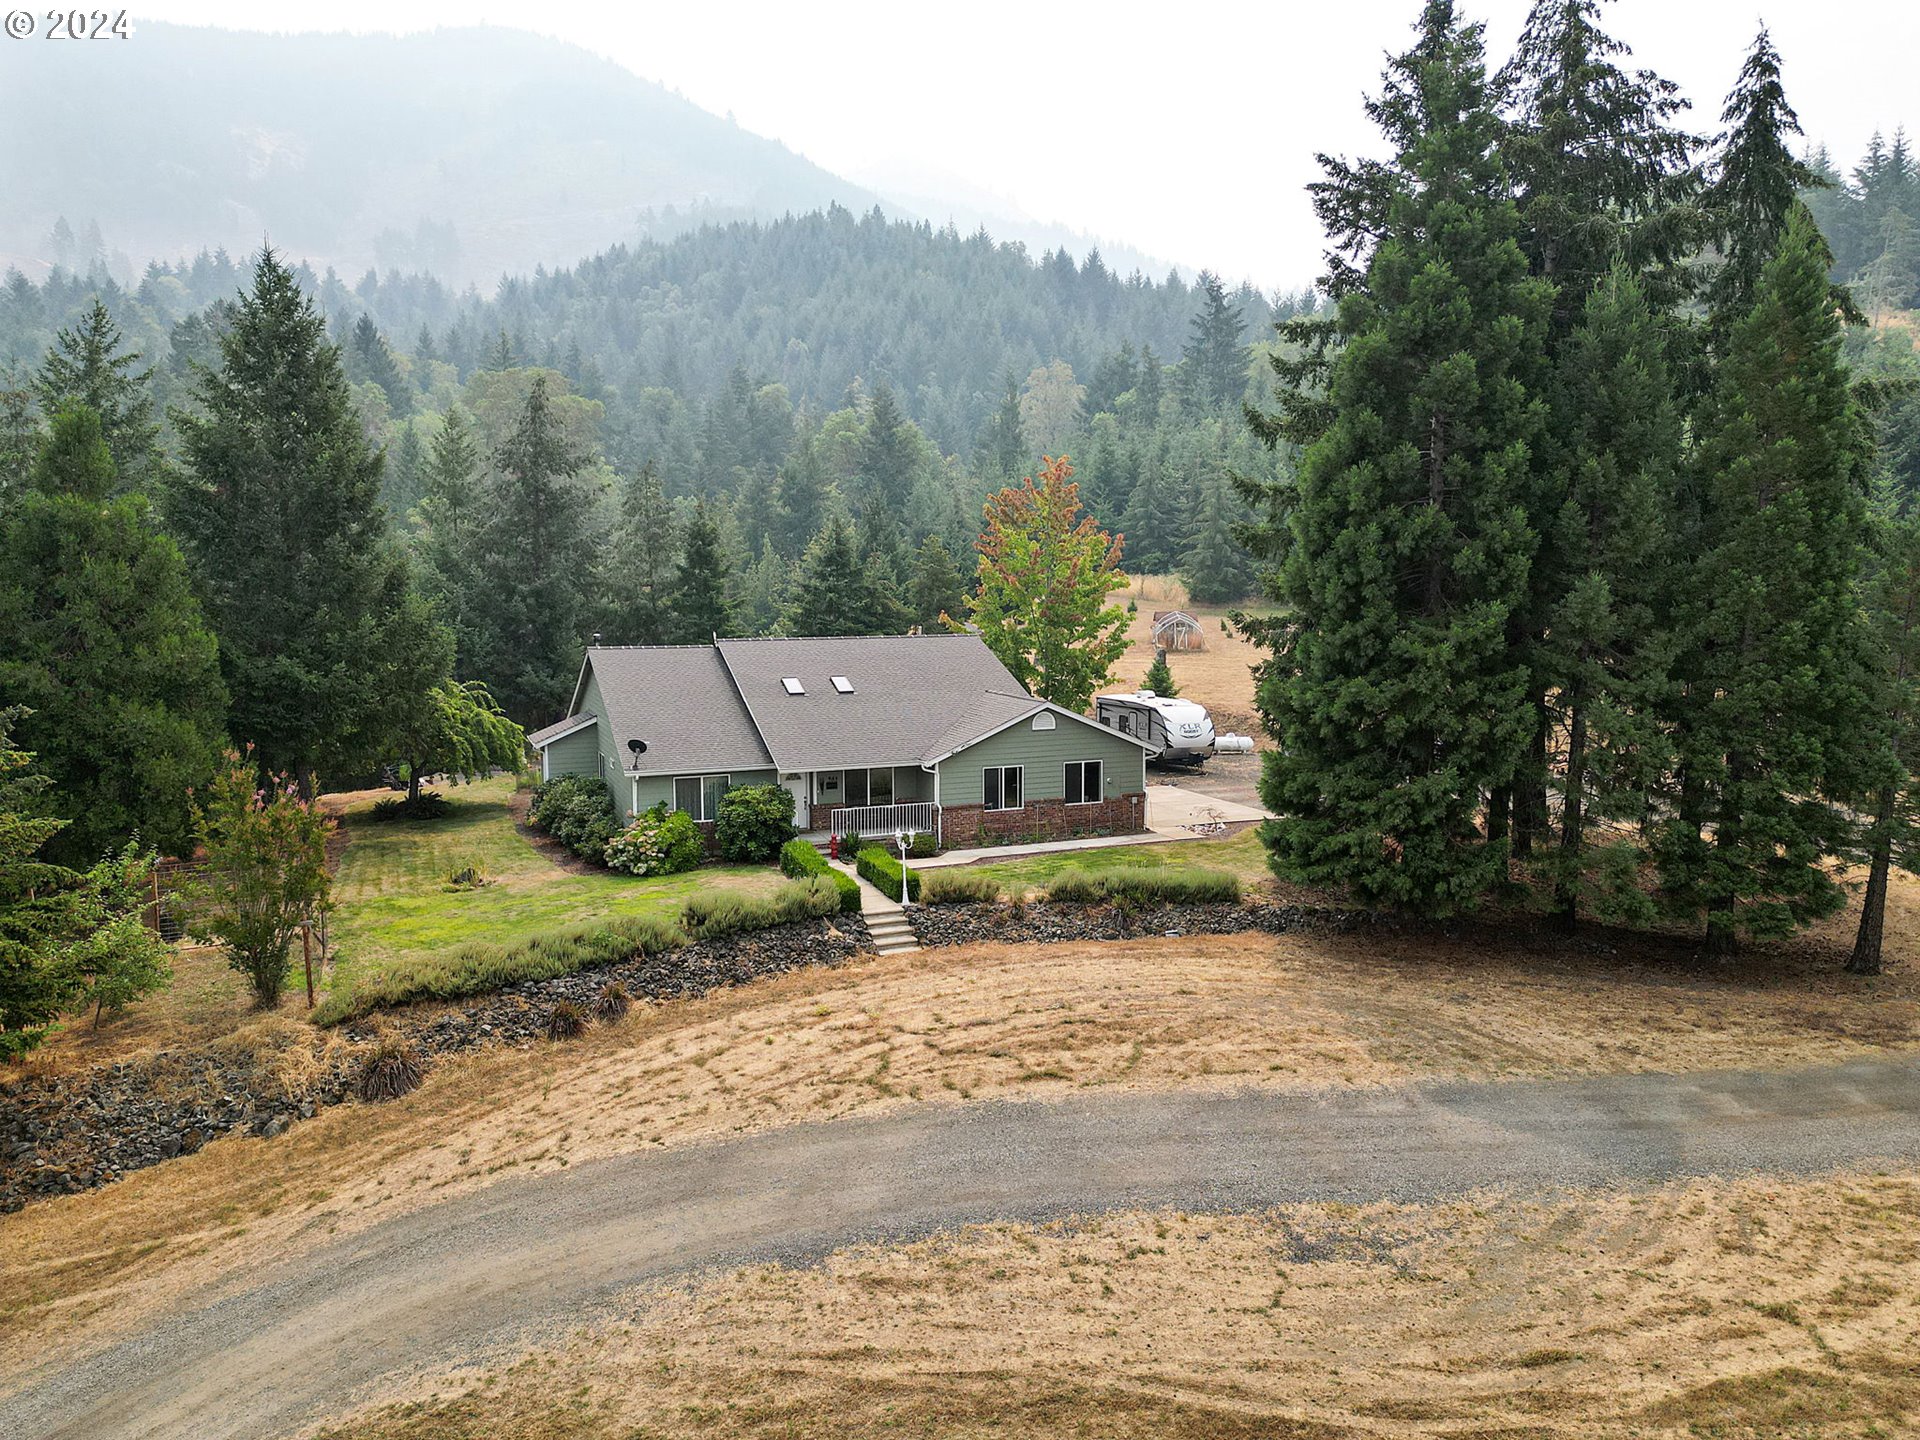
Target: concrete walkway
{"points": [[886, 918], [469, 1279]]}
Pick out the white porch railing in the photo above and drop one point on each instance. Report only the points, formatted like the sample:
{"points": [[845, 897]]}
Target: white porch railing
{"points": [[872, 822]]}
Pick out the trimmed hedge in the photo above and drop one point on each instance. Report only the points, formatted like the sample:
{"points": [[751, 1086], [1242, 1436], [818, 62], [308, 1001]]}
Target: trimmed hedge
{"points": [[476, 969], [887, 874], [754, 822], [1145, 885], [955, 886], [715, 913], [800, 860]]}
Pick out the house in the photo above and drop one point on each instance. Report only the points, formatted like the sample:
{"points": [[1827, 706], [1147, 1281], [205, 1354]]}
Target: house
{"points": [[871, 734]]}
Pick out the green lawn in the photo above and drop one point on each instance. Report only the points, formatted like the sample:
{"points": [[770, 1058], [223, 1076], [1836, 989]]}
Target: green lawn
{"points": [[392, 907], [1240, 855]]}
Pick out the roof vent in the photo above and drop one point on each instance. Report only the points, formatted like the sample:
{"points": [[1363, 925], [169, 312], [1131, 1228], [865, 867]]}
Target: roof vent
{"points": [[843, 685], [793, 685]]}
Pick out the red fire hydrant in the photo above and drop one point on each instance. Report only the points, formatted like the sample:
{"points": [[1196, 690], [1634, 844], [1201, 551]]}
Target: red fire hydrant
{"points": [[833, 847]]}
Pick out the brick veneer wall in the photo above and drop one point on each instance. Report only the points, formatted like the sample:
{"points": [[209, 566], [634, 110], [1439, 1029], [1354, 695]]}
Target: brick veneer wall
{"points": [[962, 826]]}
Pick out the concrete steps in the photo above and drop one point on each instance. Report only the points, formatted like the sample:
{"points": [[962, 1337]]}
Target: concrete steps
{"points": [[892, 932]]}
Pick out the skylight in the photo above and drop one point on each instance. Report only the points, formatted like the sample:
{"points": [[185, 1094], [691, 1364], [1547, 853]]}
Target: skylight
{"points": [[843, 685], [794, 687]]}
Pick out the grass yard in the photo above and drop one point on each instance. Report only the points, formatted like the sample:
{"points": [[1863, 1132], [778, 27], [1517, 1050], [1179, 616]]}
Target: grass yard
{"points": [[1239, 855], [393, 906]]}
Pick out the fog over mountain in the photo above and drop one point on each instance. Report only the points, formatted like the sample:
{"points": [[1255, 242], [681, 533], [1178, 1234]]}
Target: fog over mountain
{"points": [[467, 152]]}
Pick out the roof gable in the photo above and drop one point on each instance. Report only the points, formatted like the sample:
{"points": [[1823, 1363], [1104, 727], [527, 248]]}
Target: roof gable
{"points": [[902, 697], [680, 701]]}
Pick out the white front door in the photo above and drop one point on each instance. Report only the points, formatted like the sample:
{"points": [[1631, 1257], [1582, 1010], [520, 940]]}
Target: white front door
{"points": [[801, 788]]}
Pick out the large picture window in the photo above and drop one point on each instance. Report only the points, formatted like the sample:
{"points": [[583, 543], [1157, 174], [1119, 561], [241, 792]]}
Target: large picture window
{"points": [[1083, 782], [699, 795], [1003, 788]]}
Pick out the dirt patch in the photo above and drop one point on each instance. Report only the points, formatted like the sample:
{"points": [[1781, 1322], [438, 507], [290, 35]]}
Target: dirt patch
{"points": [[1220, 677], [1738, 1310]]}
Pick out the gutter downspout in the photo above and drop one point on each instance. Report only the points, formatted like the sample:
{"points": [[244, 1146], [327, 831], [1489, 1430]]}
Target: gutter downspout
{"points": [[939, 815]]}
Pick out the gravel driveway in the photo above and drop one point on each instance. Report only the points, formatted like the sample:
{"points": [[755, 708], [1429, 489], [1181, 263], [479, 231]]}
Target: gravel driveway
{"points": [[456, 1280]]}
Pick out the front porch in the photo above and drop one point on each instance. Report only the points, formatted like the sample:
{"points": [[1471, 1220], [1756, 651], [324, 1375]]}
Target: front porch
{"points": [[875, 799]]}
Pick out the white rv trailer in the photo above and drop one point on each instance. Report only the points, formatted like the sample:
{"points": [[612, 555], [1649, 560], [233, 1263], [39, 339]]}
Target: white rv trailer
{"points": [[1180, 731]]}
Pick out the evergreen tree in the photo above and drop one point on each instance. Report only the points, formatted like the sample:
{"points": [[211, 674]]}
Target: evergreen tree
{"points": [[646, 546], [1778, 715], [824, 597], [1153, 519], [1606, 651], [87, 367], [760, 597], [887, 458], [937, 588], [1755, 184], [1159, 676], [1395, 689], [1003, 443], [405, 479], [109, 651], [19, 437], [370, 359], [800, 498], [1213, 365], [534, 561], [1892, 834], [1216, 568], [698, 611], [280, 521], [446, 522]]}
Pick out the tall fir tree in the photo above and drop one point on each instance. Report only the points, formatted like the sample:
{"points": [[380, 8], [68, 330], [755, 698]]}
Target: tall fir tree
{"points": [[1213, 365], [1777, 718], [108, 650], [801, 497], [698, 611], [885, 463], [937, 589], [646, 548], [534, 563], [446, 522], [87, 366], [279, 517], [1216, 568], [1891, 835], [1003, 443], [1395, 688], [1605, 648]]}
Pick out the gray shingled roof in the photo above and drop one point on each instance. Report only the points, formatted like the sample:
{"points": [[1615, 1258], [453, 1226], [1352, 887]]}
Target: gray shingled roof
{"points": [[559, 727], [679, 699], [909, 693]]}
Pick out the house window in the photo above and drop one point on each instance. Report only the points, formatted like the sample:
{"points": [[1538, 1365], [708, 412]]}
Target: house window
{"points": [[793, 686], [1043, 721], [826, 787], [1002, 786], [1083, 782], [843, 684], [880, 786], [699, 795], [856, 787]]}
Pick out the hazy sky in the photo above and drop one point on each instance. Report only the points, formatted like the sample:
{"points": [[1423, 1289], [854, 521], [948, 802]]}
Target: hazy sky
{"points": [[1188, 130]]}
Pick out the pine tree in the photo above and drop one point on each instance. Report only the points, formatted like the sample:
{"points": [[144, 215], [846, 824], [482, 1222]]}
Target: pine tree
{"points": [[887, 458], [646, 546], [534, 561], [760, 597], [1215, 566], [1213, 364], [1159, 676], [1606, 653], [1395, 689], [86, 367], [280, 521], [108, 650], [801, 498], [828, 592], [20, 437], [446, 523], [698, 611], [369, 359], [1755, 183], [1003, 443], [937, 588], [1892, 834], [405, 479], [1778, 715]]}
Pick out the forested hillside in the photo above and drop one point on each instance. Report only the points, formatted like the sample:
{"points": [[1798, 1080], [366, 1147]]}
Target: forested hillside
{"points": [[468, 151]]}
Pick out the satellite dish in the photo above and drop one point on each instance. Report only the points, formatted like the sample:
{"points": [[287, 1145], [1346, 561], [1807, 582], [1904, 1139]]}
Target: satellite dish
{"points": [[638, 747]]}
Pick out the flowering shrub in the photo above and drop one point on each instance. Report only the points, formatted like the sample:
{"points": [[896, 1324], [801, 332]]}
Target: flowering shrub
{"points": [[658, 842]]}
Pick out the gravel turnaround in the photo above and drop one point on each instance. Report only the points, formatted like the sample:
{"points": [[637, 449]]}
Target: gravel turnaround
{"points": [[466, 1278]]}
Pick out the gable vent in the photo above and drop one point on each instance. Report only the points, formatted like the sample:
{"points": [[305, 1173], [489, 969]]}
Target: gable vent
{"points": [[843, 685], [793, 686]]}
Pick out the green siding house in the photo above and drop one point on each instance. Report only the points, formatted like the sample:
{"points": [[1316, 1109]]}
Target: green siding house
{"points": [[869, 733]]}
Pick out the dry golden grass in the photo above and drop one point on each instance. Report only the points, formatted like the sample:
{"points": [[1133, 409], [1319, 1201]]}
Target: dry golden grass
{"points": [[935, 1027], [1752, 1309], [1219, 677]]}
